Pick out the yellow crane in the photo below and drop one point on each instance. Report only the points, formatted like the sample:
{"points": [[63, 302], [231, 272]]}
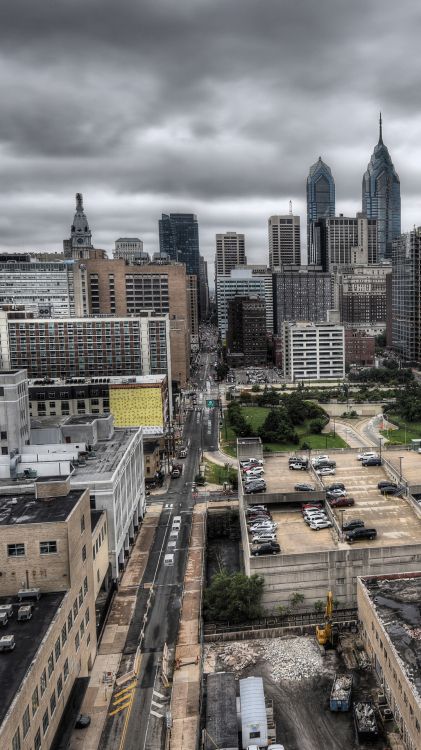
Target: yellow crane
{"points": [[326, 633]]}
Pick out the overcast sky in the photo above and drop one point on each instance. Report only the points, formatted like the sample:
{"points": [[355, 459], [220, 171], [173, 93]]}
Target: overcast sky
{"points": [[216, 107]]}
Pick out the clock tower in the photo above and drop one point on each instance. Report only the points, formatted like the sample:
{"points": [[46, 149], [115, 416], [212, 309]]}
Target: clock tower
{"points": [[80, 242]]}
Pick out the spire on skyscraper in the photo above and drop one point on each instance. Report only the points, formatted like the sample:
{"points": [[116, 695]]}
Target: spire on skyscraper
{"points": [[380, 129]]}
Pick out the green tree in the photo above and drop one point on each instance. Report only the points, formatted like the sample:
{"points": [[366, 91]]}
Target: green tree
{"points": [[296, 599], [317, 426], [319, 606], [233, 596]]}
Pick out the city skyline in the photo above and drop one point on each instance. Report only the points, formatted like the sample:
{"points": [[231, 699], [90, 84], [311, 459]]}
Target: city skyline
{"points": [[140, 136]]}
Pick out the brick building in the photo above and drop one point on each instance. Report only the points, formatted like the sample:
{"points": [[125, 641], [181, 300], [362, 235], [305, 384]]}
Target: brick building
{"points": [[359, 348]]}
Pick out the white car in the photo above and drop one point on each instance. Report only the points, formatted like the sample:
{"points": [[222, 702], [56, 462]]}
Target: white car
{"points": [[259, 527], [313, 519], [257, 472], [262, 538], [316, 459], [320, 523], [366, 454], [325, 471], [313, 512], [249, 461]]}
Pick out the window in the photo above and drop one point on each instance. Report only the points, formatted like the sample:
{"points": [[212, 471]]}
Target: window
{"points": [[59, 686], [66, 670], [53, 702], [15, 550], [50, 664], [43, 681], [37, 743], [45, 722], [87, 616], [82, 629], [63, 634], [93, 552], [57, 649], [80, 597], [340, 581], [85, 585], [35, 701], [254, 735], [16, 741], [3, 435], [77, 641], [47, 548], [26, 722], [82, 524], [69, 621], [75, 609], [84, 553]]}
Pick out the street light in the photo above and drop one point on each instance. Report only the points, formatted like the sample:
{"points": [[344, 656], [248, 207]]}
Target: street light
{"points": [[380, 444]]}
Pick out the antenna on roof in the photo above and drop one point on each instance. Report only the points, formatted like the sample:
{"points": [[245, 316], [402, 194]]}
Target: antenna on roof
{"points": [[290, 208]]}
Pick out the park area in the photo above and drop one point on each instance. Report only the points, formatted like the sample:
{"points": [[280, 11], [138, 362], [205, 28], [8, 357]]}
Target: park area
{"points": [[405, 431], [255, 417]]}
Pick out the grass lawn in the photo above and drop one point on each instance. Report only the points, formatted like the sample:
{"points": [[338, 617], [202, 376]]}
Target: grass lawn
{"points": [[404, 434], [256, 415], [215, 474]]}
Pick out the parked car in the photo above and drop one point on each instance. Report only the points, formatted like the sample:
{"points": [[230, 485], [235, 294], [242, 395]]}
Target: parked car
{"points": [[256, 472], [246, 461], [312, 512], [335, 493], [342, 502], [322, 464], [250, 489], [263, 538], [357, 534], [386, 483], [257, 527], [335, 486], [271, 548], [315, 504], [83, 721], [320, 523], [298, 460], [325, 471], [390, 489], [298, 467], [254, 507], [354, 523], [311, 519], [373, 461], [366, 454], [304, 488], [321, 457]]}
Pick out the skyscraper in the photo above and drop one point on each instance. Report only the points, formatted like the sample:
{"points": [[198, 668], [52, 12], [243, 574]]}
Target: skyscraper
{"points": [[230, 252], [80, 241], [320, 203], [381, 196], [179, 238], [284, 241], [406, 297]]}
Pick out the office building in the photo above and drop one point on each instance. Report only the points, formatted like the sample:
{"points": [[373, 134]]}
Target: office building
{"points": [[244, 282], [390, 619], [346, 240], [381, 197], [85, 347], [313, 351], [301, 293], [193, 312], [320, 204], [230, 252], [46, 546], [130, 249], [406, 296], [115, 288], [14, 411], [284, 241], [359, 348], [203, 288], [179, 239], [45, 288], [362, 298], [142, 400], [246, 335]]}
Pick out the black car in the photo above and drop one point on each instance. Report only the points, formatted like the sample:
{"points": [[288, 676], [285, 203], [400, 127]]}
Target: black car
{"points": [[386, 483], [360, 533], [252, 488], [372, 461], [298, 460], [335, 486], [355, 523], [269, 548], [83, 721], [304, 488], [325, 463], [390, 489]]}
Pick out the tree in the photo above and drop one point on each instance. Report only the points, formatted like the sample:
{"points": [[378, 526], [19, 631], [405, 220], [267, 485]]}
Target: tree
{"points": [[233, 596], [277, 427], [296, 598], [319, 606], [317, 426]]}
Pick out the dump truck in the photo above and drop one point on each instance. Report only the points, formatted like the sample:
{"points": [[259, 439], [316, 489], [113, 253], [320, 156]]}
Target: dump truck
{"points": [[340, 695]]}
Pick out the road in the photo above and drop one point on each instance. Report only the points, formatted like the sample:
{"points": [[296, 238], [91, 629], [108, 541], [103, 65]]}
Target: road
{"points": [[133, 727]]}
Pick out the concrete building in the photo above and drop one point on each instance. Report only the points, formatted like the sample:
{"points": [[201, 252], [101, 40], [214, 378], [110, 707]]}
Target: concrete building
{"points": [[203, 288], [406, 296], [359, 348], [361, 297], [45, 536], [313, 351], [193, 312], [130, 249], [284, 241], [388, 610], [346, 240], [84, 347], [14, 411], [44, 288], [301, 293], [246, 336], [136, 401], [254, 281], [115, 288], [230, 252]]}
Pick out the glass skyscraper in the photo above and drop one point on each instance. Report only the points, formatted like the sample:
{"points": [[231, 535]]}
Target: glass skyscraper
{"points": [[381, 197], [179, 238], [320, 204]]}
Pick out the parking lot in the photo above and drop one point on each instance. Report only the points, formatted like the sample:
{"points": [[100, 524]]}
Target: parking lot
{"points": [[280, 478]]}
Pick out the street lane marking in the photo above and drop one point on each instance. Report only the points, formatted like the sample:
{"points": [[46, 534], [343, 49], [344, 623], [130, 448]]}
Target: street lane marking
{"points": [[155, 692], [155, 713], [129, 687], [157, 705], [120, 708], [122, 699]]}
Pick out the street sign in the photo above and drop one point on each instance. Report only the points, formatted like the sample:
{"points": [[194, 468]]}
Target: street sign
{"points": [[212, 402]]}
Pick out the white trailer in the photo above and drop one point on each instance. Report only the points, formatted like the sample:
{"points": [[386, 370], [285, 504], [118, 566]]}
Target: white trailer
{"points": [[254, 725]]}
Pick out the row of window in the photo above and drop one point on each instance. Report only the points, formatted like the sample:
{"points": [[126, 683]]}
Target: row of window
{"points": [[99, 540], [18, 549]]}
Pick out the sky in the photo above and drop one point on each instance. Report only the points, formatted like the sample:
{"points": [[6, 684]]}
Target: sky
{"points": [[214, 107]]}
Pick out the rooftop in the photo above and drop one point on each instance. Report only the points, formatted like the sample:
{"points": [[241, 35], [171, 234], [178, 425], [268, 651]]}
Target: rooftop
{"points": [[95, 517], [397, 603], [28, 635], [109, 380], [15, 509], [105, 457]]}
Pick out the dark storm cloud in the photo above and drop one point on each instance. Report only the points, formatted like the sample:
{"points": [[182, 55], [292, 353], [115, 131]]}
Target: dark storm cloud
{"points": [[212, 106]]}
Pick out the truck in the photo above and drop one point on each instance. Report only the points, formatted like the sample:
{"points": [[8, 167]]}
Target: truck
{"points": [[340, 695], [176, 470], [182, 453], [365, 720]]}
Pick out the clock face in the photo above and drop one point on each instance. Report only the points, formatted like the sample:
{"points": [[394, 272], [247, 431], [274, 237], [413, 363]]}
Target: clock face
{"points": [[80, 240]]}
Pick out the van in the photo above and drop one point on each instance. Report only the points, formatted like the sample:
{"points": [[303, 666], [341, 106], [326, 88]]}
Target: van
{"points": [[169, 559]]}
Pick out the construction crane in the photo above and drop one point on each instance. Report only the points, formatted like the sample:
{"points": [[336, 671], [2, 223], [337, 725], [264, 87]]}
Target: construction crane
{"points": [[326, 634]]}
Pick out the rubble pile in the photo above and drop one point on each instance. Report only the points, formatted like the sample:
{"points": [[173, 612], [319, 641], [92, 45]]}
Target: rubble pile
{"points": [[235, 657]]}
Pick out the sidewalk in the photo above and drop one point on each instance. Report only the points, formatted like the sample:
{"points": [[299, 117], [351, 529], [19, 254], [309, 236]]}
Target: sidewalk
{"points": [[99, 691]]}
